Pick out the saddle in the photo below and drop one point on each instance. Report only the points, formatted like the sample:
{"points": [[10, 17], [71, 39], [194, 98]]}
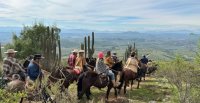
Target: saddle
{"points": [[76, 71], [103, 78]]}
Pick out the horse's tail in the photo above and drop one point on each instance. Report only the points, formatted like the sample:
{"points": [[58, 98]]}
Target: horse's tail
{"points": [[121, 80]]}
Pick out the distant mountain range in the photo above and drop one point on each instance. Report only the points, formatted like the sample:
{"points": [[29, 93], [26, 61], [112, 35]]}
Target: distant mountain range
{"points": [[160, 44], [6, 33]]}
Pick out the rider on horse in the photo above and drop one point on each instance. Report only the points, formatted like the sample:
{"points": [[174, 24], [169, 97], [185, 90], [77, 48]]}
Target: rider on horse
{"points": [[132, 63], [72, 59], [11, 66], [114, 57], [34, 68], [80, 62], [101, 67], [108, 60]]}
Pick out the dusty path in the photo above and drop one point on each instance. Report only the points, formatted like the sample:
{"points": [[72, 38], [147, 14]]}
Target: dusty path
{"points": [[150, 91]]}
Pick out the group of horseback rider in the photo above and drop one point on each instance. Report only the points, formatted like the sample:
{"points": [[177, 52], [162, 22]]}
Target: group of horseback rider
{"points": [[75, 61], [14, 72]]}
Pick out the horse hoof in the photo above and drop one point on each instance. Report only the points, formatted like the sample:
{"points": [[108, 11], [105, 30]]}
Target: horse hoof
{"points": [[88, 98], [79, 98]]}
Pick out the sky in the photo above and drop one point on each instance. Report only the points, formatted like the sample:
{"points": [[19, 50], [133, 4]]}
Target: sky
{"points": [[104, 15]]}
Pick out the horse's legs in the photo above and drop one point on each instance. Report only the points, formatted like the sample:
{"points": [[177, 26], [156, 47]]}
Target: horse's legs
{"points": [[115, 92], [131, 84], [88, 93], [126, 82], [79, 85], [108, 90], [138, 83]]}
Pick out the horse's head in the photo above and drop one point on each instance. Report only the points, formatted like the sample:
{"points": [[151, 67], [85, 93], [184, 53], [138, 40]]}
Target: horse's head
{"points": [[91, 61], [27, 61], [117, 66], [58, 72]]}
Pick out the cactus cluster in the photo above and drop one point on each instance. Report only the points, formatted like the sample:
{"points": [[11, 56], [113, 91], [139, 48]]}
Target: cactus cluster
{"points": [[50, 43], [130, 49], [89, 49]]}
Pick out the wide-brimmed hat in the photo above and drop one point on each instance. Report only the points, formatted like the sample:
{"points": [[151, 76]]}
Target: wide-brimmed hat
{"points": [[75, 51], [81, 51], [114, 53], [38, 56], [10, 51]]}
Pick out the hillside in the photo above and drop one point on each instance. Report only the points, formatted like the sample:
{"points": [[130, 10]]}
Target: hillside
{"points": [[160, 45]]}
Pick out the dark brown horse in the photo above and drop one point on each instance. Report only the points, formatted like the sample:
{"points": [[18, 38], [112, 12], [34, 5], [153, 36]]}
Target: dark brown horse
{"points": [[64, 75], [91, 62], [91, 78], [128, 75]]}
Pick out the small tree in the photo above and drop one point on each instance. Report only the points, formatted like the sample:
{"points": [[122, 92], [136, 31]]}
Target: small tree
{"points": [[39, 39], [183, 76]]}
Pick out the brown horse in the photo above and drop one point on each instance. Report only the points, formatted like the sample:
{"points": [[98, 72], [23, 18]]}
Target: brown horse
{"points": [[91, 78], [91, 62], [66, 76], [128, 75]]}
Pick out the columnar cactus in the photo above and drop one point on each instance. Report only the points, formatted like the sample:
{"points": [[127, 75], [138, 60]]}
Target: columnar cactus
{"points": [[82, 46], [49, 42], [85, 45], [130, 49], [89, 50]]}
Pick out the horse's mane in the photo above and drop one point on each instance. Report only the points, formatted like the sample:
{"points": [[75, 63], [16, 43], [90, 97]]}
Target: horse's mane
{"points": [[117, 66], [91, 74]]}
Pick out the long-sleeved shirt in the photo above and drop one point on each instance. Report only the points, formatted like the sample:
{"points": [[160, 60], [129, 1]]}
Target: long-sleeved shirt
{"points": [[71, 60], [132, 64], [80, 61], [33, 70], [144, 60], [108, 61], [10, 66], [101, 67]]}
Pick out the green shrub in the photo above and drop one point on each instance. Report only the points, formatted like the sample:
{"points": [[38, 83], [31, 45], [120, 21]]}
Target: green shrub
{"points": [[183, 76], [7, 97]]}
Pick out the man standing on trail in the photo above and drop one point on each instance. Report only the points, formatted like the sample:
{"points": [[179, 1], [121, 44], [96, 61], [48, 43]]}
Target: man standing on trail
{"points": [[72, 59], [10, 65], [34, 68]]}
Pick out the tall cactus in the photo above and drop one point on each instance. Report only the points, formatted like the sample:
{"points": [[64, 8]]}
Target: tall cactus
{"points": [[82, 46], [130, 49], [89, 48], [50, 41], [85, 46]]}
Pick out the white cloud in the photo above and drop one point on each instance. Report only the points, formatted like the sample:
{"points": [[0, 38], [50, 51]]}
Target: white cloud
{"points": [[102, 14]]}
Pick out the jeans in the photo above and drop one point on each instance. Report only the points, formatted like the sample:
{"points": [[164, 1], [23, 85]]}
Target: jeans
{"points": [[111, 74]]}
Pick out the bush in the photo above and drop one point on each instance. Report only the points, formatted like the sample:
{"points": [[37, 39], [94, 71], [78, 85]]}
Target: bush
{"points": [[7, 97], [184, 76]]}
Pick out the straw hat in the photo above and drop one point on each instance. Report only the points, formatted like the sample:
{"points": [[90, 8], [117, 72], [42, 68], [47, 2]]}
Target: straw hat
{"points": [[75, 51], [38, 56], [81, 51], [10, 51]]}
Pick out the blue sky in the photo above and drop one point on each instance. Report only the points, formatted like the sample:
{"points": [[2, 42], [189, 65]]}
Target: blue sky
{"points": [[109, 15]]}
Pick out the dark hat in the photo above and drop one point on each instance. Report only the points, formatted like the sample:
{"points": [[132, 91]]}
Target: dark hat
{"points": [[38, 56]]}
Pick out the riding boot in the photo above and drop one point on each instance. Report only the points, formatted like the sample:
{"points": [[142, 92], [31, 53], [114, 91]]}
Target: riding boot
{"points": [[115, 84]]}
